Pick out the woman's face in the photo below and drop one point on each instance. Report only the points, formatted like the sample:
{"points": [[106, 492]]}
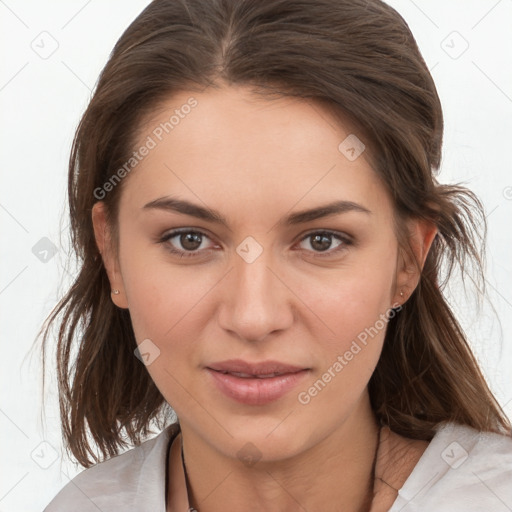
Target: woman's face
{"points": [[277, 282]]}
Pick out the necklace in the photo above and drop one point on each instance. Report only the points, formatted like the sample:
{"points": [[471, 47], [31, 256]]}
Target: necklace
{"points": [[368, 501]]}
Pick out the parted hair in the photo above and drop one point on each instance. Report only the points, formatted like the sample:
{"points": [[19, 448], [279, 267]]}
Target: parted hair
{"points": [[359, 58]]}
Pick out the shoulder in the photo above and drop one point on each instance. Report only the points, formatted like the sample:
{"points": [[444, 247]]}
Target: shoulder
{"points": [[114, 484], [462, 469]]}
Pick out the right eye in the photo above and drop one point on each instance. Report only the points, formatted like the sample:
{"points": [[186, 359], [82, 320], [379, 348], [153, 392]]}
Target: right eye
{"points": [[185, 242]]}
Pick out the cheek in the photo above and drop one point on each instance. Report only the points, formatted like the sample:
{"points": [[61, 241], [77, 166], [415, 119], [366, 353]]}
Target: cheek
{"points": [[162, 299], [168, 303], [355, 305], [349, 300], [356, 310], [166, 308]]}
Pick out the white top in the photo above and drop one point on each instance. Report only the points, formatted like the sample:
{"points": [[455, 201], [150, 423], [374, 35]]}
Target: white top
{"points": [[461, 470]]}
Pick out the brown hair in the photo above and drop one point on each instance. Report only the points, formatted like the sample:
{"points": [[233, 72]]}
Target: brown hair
{"points": [[360, 58]]}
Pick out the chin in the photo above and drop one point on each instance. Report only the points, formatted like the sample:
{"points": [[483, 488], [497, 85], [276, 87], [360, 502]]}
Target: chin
{"points": [[266, 439]]}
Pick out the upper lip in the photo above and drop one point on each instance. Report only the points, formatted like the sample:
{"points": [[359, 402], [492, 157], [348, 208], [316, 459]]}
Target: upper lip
{"points": [[258, 368]]}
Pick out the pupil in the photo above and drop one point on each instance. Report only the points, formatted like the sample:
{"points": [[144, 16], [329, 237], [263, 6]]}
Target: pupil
{"points": [[323, 241]]}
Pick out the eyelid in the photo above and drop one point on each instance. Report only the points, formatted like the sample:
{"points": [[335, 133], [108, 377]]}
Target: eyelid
{"points": [[340, 234]]}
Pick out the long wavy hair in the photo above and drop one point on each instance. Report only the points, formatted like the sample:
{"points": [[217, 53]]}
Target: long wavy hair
{"points": [[359, 58]]}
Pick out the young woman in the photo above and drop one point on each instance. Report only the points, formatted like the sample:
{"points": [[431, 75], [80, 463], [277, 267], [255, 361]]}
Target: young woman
{"points": [[253, 198]]}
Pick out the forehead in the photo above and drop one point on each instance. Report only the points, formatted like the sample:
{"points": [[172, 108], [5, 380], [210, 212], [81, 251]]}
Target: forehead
{"points": [[229, 144]]}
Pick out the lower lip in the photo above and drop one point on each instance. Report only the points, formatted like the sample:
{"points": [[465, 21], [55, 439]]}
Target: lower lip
{"points": [[255, 391]]}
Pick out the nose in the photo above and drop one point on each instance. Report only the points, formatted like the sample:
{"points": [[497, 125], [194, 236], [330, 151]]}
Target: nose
{"points": [[257, 301]]}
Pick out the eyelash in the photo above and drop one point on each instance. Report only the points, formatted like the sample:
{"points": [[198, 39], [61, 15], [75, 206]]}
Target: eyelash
{"points": [[345, 239]]}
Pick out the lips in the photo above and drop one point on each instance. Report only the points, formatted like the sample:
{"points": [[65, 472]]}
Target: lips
{"points": [[254, 376], [255, 383]]}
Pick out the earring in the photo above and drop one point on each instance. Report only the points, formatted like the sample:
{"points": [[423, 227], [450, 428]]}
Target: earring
{"points": [[401, 294], [115, 292]]}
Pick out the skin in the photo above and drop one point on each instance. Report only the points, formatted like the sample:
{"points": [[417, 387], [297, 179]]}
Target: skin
{"points": [[256, 161]]}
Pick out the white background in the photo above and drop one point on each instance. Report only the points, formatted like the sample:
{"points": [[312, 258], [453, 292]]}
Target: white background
{"points": [[41, 100]]}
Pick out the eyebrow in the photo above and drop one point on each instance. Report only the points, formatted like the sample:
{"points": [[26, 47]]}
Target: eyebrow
{"points": [[182, 206]]}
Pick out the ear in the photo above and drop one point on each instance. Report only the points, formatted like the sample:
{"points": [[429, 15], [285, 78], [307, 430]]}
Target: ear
{"points": [[102, 234], [421, 234]]}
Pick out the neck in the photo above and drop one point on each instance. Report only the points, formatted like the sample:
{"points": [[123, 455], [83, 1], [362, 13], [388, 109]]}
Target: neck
{"points": [[336, 474]]}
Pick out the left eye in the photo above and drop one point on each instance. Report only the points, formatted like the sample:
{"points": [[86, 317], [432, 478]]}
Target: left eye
{"points": [[321, 242]]}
